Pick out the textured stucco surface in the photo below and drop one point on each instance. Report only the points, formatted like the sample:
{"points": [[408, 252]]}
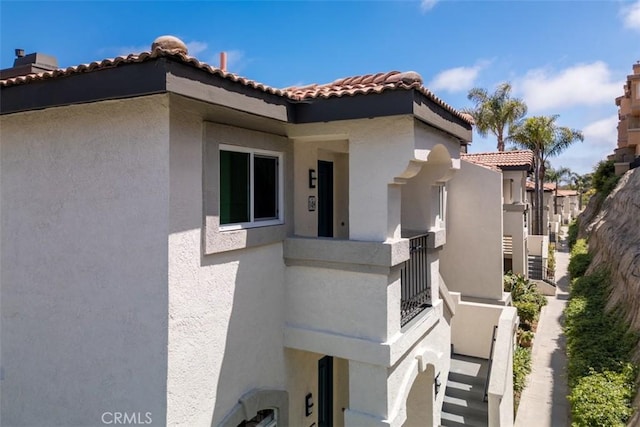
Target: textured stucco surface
{"points": [[471, 261], [84, 262], [226, 310]]}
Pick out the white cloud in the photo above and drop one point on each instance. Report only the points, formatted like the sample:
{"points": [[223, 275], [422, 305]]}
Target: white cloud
{"points": [[427, 5], [195, 47], [631, 16], [582, 84], [602, 132], [457, 79]]}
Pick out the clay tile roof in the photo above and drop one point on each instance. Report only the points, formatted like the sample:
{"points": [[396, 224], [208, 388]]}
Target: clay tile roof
{"points": [[157, 52], [371, 83], [548, 186], [482, 165], [563, 193], [501, 159], [349, 86]]}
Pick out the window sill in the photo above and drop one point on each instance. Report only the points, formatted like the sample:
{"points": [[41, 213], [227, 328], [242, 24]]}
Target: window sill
{"points": [[221, 239]]}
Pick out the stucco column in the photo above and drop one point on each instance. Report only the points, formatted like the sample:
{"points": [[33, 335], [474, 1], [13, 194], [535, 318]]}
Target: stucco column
{"points": [[368, 396], [378, 155]]}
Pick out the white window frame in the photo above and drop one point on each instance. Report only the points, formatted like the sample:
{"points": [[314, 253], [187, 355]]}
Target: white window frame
{"points": [[252, 223], [440, 213]]}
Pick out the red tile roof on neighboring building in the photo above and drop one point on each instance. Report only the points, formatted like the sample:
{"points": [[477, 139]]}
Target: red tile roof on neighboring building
{"points": [[563, 193], [502, 159], [350, 86], [548, 186]]}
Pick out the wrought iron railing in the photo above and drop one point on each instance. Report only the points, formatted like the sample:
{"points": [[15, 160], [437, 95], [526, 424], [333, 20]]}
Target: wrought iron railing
{"points": [[414, 281]]}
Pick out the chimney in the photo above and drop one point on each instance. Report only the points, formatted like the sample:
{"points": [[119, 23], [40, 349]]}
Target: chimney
{"points": [[223, 61], [32, 63]]}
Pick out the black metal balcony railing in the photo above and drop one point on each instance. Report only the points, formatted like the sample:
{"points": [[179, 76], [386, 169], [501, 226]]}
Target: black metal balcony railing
{"points": [[414, 281]]}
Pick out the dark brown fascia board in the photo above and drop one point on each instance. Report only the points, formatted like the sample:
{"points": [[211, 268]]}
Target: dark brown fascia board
{"points": [[125, 81], [192, 82], [387, 103], [160, 75], [435, 115], [349, 107], [526, 168]]}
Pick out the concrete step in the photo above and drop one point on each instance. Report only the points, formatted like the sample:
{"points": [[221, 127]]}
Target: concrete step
{"points": [[466, 419], [455, 403], [464, 403]]}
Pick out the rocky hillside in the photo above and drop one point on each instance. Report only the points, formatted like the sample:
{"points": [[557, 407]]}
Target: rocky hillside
{"points": [[612, 227]]}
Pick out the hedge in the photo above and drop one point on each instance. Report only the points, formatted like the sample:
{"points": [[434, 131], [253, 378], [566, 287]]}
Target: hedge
{"points": [[599, 348]]}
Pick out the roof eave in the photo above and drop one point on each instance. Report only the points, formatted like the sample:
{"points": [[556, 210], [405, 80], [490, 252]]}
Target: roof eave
{"points": [[433, 114]]}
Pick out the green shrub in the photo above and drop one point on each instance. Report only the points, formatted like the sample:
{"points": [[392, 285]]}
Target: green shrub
{"points": [[521, 368], [604, 179], [580, 259], [596, 339], [603, 398], [573, 233], [551, 258], [599, 348], [527, 311]]}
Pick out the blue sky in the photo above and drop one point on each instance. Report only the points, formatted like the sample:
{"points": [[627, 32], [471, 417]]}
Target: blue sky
{"points": [[569, 58]]}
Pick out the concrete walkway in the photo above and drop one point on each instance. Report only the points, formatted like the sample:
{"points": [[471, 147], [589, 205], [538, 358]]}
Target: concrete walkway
{"points": [[544, 399]]}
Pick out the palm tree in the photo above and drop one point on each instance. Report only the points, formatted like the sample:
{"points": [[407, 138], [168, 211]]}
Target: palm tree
{"points": [[580, 183], [555, 176], [493, 113], [546, 139]]}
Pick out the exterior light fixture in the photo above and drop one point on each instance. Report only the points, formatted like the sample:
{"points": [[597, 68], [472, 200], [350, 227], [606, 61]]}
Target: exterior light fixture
{"points": [[308, 404], [312, 178], [437, 384]]}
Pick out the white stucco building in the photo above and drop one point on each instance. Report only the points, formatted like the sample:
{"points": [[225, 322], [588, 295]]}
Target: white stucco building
{"points": [[186, 247]]}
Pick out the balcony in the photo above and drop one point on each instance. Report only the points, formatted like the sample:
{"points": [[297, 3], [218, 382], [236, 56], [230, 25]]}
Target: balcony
{"points": [[415, 286]]}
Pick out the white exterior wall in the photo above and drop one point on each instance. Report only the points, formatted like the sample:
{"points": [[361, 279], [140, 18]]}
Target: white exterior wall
{"points": [[226, 310], [471, 262], [84, 216]]}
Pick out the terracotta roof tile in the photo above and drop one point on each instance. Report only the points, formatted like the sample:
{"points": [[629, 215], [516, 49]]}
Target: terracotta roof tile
{"points": [[482, 165], [548, 186], [138, 58], [501, 159], [563, 193], [371, 83], [349, 86]]}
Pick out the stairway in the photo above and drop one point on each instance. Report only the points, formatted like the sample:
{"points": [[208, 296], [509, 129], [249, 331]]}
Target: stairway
{"points": [[535, 267], [464, 403]]}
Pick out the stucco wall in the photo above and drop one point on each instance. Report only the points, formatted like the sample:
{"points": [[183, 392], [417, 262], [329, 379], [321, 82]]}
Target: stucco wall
{"points": [[84, 263], [471, 261], [472, 328], [225, 310]]}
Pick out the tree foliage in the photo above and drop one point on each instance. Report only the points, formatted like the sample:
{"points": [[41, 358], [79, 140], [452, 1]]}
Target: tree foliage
{"points": [[493, 113], [546, 139]]}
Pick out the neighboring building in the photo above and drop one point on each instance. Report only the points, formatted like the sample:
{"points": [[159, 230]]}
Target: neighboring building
{"points": [[566, 202], [188, 247], [547, 205], [471, 264], [627, 154], [515, 167]]}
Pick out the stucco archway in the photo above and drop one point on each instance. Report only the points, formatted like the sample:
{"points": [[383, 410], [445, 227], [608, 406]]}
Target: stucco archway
{"points": [[420, 401]]}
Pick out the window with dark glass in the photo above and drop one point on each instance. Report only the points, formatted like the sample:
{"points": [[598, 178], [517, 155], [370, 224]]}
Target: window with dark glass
{"points": [[250, 193]]}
